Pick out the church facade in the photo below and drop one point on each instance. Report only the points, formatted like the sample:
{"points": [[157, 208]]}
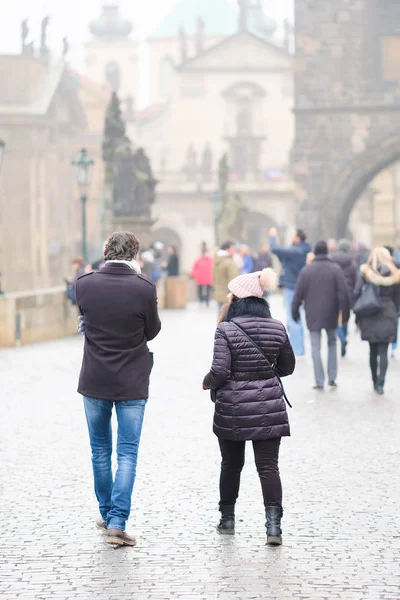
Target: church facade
{"points": [[219, 81]]}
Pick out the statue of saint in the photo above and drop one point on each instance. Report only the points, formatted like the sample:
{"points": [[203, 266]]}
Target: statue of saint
{"points": [[232, 223], [44, 51], [66, 47], [24, 34], [206, 164]]}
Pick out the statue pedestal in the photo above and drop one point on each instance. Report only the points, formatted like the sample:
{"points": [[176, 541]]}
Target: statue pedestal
{"points": [[141, 227]]}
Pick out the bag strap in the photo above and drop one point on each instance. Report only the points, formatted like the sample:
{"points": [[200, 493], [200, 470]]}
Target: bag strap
{"points": [[270, 364]]}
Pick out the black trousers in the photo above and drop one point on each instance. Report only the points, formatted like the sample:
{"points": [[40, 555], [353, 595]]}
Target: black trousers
{"points": [[379, 362], [266, 454], [204, 292]]}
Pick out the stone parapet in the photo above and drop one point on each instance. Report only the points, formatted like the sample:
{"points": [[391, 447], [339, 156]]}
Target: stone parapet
{"points": [[36, 316]]}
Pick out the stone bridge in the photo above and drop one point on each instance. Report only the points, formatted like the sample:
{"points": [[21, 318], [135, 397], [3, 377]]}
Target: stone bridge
{"points": [[340, 474]]}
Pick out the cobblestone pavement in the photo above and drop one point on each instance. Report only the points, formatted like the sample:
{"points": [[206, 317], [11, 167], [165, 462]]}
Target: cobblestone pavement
{"points": [[340, 471]]}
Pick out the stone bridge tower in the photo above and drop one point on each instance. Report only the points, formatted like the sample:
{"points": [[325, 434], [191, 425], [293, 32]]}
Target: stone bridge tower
{"points": [[347, 105]]}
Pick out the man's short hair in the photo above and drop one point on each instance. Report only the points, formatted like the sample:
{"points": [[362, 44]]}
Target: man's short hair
{"points": [[301, 234], [227, 245], [122, 246]]}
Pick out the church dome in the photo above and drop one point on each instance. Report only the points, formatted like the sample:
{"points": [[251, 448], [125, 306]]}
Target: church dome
{"points": [[259, 22], [111, 24]]}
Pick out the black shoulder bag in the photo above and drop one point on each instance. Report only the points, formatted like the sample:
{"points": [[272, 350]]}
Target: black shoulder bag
{"points": [[273, 367]]}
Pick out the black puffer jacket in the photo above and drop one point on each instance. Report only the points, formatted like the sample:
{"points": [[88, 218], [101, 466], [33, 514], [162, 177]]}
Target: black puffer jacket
{"points": [[350, 271], [381, 328], [249, 403]]}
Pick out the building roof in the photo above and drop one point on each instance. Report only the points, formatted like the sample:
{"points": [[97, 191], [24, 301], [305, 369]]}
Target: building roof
{"points": [[151, 113], [50, 78], [219, 18]]}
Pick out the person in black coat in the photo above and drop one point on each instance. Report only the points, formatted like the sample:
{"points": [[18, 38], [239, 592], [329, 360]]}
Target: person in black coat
{"points": [[119, 310], [322, 288], [173, 262], [380, 329], [249, 403], [345, 259]]}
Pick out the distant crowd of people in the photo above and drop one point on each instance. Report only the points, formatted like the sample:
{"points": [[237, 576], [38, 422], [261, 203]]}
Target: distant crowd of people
{"points": [[328, 284], [325, 283]]}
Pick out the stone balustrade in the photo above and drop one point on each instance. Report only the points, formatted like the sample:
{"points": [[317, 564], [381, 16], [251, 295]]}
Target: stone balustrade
{"points": [[36, 316], [40, 315]]}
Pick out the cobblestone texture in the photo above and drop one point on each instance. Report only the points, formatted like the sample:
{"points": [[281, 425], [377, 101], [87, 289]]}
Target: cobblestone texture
{"points": [[340, 472]]}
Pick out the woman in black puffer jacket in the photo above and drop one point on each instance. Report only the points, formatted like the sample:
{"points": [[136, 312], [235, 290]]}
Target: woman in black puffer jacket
{"points": [[380, 329], [249, 403]]}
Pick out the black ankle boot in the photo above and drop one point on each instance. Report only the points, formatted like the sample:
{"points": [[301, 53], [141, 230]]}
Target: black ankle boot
{"points": [[227, 522], [274, 533]]}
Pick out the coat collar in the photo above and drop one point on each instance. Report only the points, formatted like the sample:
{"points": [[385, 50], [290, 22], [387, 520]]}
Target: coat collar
{"points": [[378, 279], [114, 268]]}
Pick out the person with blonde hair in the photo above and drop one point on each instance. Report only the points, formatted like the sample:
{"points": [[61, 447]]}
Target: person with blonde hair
{"points": [[251, 352], [380, 327]]}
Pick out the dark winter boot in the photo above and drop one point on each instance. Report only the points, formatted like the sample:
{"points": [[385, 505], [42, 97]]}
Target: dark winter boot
{"points": [[227, 522], [274, 533]]}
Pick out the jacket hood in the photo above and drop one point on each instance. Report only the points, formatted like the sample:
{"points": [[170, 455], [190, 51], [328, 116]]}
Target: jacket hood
{"points": [[344, 259], [222, 255], [385, 280]]}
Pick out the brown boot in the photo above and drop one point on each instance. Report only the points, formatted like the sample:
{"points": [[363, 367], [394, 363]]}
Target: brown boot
{"points": [[116, 537], [102, 525]]}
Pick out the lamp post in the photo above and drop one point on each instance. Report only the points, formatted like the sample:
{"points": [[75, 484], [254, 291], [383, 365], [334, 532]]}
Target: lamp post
{"points": [[2, 149], [217, 202], [83, 165]]}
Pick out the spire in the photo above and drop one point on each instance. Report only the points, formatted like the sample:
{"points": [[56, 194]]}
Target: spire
{"points": [[244, 15]]}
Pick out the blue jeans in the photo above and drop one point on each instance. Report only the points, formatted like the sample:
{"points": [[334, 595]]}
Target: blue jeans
{"points": [[114, 497], [295, 330], [342, 332]]}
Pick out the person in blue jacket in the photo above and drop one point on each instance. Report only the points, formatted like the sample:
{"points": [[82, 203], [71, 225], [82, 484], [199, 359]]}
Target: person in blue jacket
{"points": [[292, 259]]}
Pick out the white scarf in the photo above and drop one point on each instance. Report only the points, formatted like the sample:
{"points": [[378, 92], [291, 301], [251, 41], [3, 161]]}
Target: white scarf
{"points": [[133, 264]]}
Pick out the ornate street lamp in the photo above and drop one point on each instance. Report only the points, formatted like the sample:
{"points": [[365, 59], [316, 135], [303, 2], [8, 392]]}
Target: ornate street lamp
{"points": [[217, 202], [84, 169], [2, 149]]}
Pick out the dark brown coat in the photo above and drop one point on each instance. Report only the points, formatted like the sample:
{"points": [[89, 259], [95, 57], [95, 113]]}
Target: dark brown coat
{"points": [[120, 311], [249, 404]]}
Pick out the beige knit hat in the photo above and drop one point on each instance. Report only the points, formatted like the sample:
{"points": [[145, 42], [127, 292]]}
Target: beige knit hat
{"points": [[254, 284]]}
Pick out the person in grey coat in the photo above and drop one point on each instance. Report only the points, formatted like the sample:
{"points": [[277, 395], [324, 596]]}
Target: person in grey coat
{"points": [[322, 288]]}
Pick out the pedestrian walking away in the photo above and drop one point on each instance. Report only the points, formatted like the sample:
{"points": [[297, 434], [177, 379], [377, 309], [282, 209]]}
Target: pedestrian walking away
{"points": [[345, 259], [202, 273], [293, 260], [380, 328], [264, 259], [78, 269], [224, 270], [322, 288], [173, 262], [119, 309], [250, 351], [248, 260]]}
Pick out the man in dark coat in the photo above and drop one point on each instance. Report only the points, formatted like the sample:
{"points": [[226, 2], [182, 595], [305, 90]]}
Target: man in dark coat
{"points": [[119, 309], [345, 259], [322, 288], [292, 260]]}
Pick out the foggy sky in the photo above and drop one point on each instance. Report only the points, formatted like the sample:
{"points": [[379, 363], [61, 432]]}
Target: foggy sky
{"points": [[71, 17]]}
